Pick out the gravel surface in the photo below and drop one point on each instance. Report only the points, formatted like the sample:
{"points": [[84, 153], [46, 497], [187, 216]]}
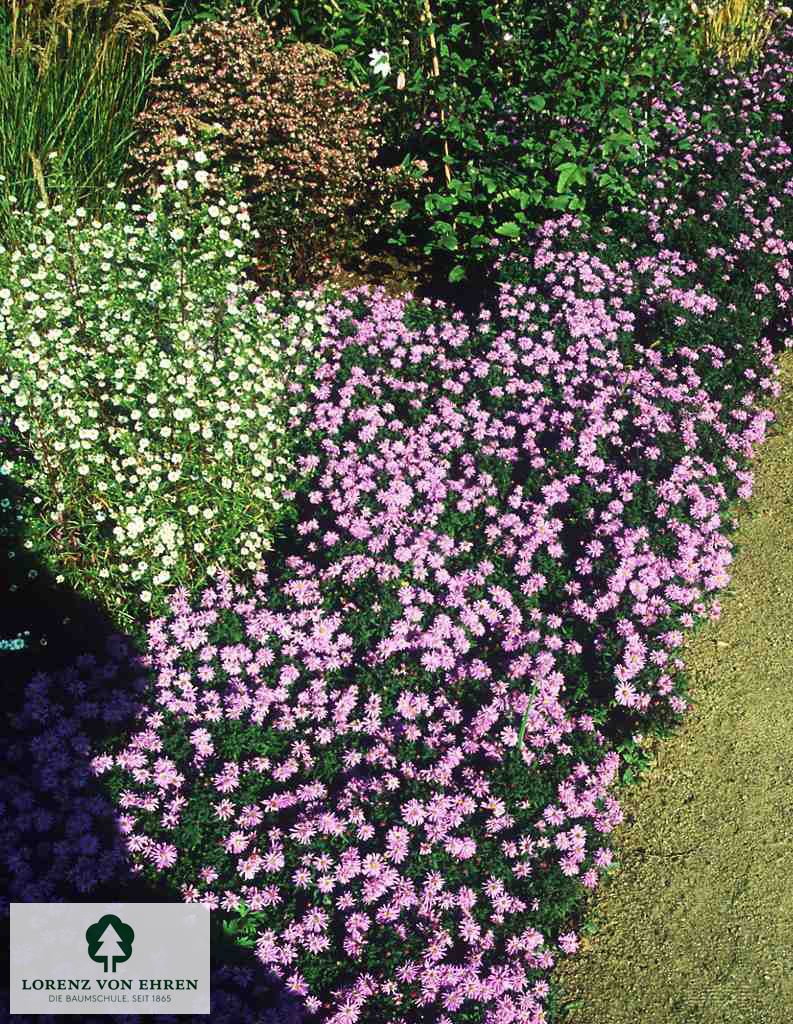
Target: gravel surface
{"points": [[696, 926]]}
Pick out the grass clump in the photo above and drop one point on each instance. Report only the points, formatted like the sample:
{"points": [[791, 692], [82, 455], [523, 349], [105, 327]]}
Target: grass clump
{"points": [[737, 30], [40, 29], [72, 77]]}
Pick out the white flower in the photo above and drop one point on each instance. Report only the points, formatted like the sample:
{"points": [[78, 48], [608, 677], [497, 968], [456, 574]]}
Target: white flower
{"points": [[200, 157], [167, 533], [379, 62], [182, 165], [201, 177], [135, 527], [147, 448]]}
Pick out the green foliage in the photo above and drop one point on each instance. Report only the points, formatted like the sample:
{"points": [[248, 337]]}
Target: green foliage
{"points": [[535, 109], [183, 14]]}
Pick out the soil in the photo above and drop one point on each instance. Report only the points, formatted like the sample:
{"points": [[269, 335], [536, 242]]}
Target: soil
{"points": [[696, 925], [398, 270]]}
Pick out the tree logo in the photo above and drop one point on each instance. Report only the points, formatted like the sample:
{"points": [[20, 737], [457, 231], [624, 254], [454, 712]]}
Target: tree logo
{"points": [[110, 941]]}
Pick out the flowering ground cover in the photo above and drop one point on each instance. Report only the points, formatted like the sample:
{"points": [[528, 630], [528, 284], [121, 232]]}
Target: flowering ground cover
{"points": [[384, 754], [694, 924]]}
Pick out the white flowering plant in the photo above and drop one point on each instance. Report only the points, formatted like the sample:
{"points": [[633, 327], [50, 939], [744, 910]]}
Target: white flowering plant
{"points": [[143, 392], [380, 63]]}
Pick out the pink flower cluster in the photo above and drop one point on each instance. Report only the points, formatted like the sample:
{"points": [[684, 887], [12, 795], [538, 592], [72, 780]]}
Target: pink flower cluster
{"points": [[419, 518]]}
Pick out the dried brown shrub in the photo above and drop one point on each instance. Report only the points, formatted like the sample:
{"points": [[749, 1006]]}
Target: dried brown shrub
{"points": [[301, 137]]}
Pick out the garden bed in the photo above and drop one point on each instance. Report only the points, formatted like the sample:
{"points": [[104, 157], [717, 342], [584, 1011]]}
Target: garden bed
{"points": [[373, 654]]}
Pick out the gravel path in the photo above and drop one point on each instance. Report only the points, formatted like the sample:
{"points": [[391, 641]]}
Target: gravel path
{"points": [[696, 926]]}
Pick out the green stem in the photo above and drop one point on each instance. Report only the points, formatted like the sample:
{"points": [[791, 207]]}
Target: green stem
{"points": [[524, 720]]}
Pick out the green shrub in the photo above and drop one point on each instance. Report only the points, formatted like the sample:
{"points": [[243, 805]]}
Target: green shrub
{"points": [[301, 137], [534, 107], [145, 395]]}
